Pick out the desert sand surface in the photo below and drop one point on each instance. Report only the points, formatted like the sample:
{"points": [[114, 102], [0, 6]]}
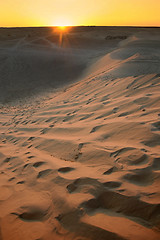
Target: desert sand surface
{"points": [[80, 134]]}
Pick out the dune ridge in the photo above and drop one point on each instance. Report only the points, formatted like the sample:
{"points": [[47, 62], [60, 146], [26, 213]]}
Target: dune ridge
{"points": [[84, 163]]}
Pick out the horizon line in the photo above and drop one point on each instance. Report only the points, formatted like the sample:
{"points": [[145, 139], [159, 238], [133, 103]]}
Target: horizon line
{"points": [[134, 26]]}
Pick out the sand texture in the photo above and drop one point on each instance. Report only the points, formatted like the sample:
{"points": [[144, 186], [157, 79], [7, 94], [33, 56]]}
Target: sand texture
{"points": [[80, 160]]}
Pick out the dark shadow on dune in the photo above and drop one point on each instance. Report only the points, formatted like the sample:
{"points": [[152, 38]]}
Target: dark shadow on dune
{"points": [[33, 61], [71, 221], [27, 72]]}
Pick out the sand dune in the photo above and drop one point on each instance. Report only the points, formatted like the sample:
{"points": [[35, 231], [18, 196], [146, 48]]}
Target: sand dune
{"points": [[83, 162], [36, 63]]}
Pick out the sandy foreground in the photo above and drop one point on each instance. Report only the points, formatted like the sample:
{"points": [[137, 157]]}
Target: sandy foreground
{"points": [[80, 134]]}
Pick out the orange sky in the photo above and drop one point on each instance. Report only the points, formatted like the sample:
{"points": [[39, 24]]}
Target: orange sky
{"points": [[79, 12]]}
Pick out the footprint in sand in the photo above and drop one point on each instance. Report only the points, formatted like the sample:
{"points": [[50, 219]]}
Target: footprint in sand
{"points": [[94, 129], [38, 164], [11, 179], [30, 139], [44, 173], [7, 160], [71, 187], [65, 169], [26, 165], [111, 170], [112, 184], [27, 153], [31, 157], [115, 109], [21, 182], [31, 213]]}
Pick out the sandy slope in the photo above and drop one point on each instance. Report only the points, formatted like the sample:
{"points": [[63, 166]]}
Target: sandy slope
{"points": [[84, 163]]}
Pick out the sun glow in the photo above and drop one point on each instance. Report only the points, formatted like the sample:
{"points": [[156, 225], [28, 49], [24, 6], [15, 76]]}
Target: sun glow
{"points": [[62, 23], [62, 28]]}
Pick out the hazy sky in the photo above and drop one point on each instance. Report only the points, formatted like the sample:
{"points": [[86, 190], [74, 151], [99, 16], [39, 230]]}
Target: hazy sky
{"points": [[79, 12]]}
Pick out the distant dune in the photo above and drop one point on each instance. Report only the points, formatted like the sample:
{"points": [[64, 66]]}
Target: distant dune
{"points": [[80, 134]]}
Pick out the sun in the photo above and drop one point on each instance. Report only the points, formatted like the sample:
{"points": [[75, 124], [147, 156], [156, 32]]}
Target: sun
{"points": [[62, 23], [62, 26]]}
